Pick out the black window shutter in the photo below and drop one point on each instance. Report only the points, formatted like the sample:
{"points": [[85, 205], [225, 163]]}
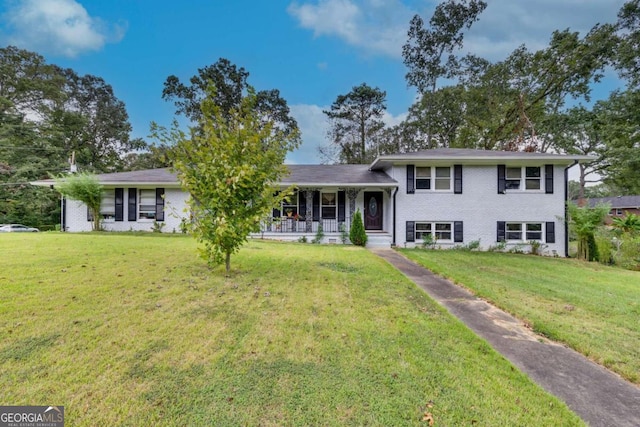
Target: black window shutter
{"points": [[411, 179], [132, 208], [502, 183], [341, 205], [457, 179], [411, 231], [119, 199], [457, 231], [316, 206], [302, 203], [548, 179], [159, 204], [276, 211], [550, 232], [89, 214], [501, 236]]}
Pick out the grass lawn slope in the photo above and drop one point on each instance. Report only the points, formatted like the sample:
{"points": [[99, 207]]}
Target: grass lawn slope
{"points": [[590, 307], [136, 331]]}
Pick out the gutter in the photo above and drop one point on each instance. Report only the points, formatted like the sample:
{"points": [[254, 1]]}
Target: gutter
{"points": [[393, 241], [566, 211]]}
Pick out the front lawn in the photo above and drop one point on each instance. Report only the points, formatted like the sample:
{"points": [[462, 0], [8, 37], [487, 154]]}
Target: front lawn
{"points": [[135, 330], [592, 308]]}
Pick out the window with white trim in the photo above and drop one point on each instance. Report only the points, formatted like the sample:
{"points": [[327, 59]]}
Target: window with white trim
{"points": [[329, 206], [532, 178], [147, 204], [514, 231], [108, 205], [290, 205], [439, 176], [440, 231]]}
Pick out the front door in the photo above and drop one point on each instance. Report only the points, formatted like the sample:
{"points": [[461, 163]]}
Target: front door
{"points": [[373, 210]]}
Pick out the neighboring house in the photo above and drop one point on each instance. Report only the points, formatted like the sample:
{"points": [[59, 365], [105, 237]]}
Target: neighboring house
{"points": [[456, 196], [620, 205]]}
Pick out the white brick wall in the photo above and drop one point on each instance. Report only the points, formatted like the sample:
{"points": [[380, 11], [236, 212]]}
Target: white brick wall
{"points": [[480, 206], [174, 205]]}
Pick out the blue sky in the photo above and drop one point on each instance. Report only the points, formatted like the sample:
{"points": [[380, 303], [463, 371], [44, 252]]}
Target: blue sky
{"points": [[312, 51]]}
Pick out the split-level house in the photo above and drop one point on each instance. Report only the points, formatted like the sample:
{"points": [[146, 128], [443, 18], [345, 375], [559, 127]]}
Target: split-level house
{"points": [[450, 196]]}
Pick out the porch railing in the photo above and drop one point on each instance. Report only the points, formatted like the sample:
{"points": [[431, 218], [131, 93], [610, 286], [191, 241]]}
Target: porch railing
{"points": [[292, 225]]}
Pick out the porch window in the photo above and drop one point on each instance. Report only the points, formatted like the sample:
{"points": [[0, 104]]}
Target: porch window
{"points": [[108, 206], [329, 205], [441, 231], [147, 204], [290, 205]]}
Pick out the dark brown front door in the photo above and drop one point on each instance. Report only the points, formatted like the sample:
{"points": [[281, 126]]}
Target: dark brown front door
{"points": [[373, 210]]}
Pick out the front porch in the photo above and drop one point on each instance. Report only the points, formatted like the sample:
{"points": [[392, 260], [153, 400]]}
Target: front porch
{"points": [[294, 229]]}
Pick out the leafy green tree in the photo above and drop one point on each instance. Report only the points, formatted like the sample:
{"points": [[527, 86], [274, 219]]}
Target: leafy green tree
{"points": [[584, 222], [231, 88], [628, 33], [230, 165], [85, 188], [355, 121], [357, 233], [629, 224], [429, 51]]}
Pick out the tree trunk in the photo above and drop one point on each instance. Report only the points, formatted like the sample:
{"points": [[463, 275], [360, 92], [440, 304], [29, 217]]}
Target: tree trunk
{"points": [[228, 262]]}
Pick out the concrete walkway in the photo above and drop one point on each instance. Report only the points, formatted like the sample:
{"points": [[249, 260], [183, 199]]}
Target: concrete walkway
{"points": [[598, 396]]}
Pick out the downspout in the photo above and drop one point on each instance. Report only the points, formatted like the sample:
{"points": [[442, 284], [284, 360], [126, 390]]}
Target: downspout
{"points": [[566, 210], [393, 242]]}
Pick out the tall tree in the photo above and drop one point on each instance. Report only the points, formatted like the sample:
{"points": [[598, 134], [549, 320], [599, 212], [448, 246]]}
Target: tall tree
{"points": [[355, 121], [94, 123], [230, 164], [628, 31], [231, 87], [430, 51]]}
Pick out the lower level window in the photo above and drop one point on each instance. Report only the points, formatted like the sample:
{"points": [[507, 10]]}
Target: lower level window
{"points": [[147, 204], [437, 230], [518, 230]]}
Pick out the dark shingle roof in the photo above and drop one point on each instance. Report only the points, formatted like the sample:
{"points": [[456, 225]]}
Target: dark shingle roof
{"points": [[617, 202], [337, 175], [465, 155], [147, 176], [302, 175]]}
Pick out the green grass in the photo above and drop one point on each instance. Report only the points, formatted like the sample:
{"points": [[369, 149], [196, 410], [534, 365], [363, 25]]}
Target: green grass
{"points": [[590, 307], [136, 331]]}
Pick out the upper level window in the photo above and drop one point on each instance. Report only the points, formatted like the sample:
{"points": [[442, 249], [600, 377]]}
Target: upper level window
{"points": [[532, 178], [440, 176], [147, 204], [329, 205]]}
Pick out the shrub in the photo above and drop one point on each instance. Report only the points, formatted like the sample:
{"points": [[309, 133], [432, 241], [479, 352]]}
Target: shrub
{"points": [[319, 235], [537, 247], [344, 236], [357, 235], [428, 242], [302, 239], [605, 246]]}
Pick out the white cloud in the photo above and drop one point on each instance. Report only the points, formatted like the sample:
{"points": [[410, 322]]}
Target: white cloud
{"points": [[60, 27], [314, 126], [380, 26], [372, 25]]}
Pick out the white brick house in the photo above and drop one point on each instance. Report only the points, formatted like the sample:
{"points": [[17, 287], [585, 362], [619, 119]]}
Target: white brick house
{"points": [[457, 196]]}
